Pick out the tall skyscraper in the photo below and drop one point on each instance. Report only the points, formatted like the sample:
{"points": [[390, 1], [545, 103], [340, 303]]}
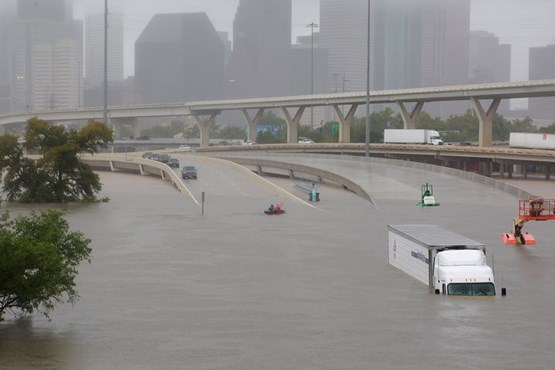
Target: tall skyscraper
{"points": [[343, 32], [540, 68], [5, 98], [420, 43], [179, 57], [260, 63], [94, 49], [44, 45], [489, 61]]}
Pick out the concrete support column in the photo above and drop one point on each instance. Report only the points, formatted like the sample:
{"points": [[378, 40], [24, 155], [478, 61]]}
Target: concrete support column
{"points": [[409, 120], [345, 122], [293, 124], [204, 127], [253, 122], [116, 128], [548, 172], [135, 128], [485, 119]]}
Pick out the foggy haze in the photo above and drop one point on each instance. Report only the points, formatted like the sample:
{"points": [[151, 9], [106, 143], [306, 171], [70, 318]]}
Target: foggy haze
{"points": [[518, 23]]}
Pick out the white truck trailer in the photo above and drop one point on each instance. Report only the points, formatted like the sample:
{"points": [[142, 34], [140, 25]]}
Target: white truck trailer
{"points": [[412, 136], [447, 262], [532, 141]]}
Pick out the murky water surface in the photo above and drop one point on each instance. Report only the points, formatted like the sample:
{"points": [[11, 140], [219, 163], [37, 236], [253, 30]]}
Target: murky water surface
{"points": [[169, 288]]}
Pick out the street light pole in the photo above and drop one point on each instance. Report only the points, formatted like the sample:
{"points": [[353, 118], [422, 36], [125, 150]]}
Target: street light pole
{"points": [[79, 75], [367, 139], [312, 26], [105, 110]]}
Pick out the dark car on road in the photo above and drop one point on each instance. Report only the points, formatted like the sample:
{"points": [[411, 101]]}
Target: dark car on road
{"points": [[189, 172], [164, 158], [173, 162]]}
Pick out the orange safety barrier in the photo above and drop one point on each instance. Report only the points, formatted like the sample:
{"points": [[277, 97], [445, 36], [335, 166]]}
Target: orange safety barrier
{"points": [[536, 209]]}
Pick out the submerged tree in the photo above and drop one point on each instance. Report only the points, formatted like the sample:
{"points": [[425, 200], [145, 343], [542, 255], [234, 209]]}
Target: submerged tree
{"points": [[57, 175], [39, 256]]}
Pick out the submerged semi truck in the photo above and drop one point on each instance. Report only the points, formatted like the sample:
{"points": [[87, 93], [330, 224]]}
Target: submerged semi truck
{"points": [[412, 136], [447, 262]]}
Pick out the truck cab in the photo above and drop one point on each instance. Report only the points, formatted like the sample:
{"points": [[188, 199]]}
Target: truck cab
{"points": [[434, 138], [463, 272]]}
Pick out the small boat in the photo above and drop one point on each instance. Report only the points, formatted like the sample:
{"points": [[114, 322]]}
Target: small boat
{"points": [[274, 212]]}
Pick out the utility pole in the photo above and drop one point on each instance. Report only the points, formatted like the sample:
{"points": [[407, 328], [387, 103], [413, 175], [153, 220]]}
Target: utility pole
{"points": [[312, 26], [105, 111]]}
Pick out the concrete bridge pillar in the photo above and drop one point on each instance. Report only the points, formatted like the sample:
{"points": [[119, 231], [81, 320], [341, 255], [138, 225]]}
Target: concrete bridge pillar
{"points": [[485, 120], [253, 122], [116, 128], [345, 122], [118, 123], [293, 124], [204, 127], [409, 120], [136, 128]]}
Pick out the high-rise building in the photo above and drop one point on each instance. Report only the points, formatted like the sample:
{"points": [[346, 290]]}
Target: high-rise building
{"points": [[540, 68], [44, 45], [55, 75], [489, 61], [94, 49], [93, 66], [420, 43], [417, 43], [310, 75], [343, 32], [260, 63], [179, 57], [41, 10], [5, 98]]}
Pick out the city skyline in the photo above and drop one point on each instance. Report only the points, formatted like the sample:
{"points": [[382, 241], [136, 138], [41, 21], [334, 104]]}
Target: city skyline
{"points": [[521, 24]]}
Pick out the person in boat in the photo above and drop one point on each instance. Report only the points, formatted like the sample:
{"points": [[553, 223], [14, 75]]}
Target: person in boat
{"points": [[271, 208], [277, 208]]}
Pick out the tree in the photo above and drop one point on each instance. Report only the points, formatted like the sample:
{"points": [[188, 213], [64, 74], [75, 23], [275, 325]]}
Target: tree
{"points": [[524, 125], [548, 129], [274, 129], [39, 256], [57, 175], [378, 122]]}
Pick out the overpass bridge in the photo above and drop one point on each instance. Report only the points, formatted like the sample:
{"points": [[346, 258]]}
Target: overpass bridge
{"points": [[485, 99], [487, 161], [500, 161]]}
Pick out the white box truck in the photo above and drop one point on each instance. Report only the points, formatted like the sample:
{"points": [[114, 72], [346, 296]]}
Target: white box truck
{"points": [[410, 136], [532, 141], [447, 262]]}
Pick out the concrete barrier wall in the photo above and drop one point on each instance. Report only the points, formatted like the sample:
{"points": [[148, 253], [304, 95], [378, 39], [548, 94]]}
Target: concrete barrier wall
{"points": [[140, 166]]}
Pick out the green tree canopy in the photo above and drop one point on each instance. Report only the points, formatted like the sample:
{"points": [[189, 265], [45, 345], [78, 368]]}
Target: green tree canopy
{"points": [[39, 256], [57, 175]]}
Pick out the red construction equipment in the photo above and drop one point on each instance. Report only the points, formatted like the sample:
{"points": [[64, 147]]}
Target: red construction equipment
{"points": [[532, 209]]}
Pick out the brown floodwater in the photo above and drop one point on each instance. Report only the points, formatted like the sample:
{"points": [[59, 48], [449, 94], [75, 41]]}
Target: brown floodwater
{"points": [[171, 288]]}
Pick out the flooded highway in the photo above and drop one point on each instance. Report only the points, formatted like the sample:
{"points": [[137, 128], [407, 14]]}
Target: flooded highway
{"points": [[169, 288]]}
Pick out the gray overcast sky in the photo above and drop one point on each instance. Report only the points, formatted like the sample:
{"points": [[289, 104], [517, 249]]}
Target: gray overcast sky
{"points": [[517, 22]]}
